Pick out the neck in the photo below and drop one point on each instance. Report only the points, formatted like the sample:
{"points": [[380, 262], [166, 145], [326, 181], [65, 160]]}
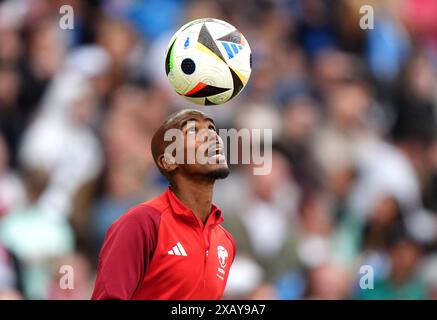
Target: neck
{"points": [[196, 195]]}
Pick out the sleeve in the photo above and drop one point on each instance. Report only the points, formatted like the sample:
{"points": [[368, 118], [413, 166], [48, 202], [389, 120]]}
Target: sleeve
{"points": [[126, 253]]}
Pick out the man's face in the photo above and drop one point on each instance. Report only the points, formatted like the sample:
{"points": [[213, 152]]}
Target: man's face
{"points": [[203, 150]]}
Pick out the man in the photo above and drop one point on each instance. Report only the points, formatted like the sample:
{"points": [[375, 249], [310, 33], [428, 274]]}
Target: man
{"points": [[173, 246]]}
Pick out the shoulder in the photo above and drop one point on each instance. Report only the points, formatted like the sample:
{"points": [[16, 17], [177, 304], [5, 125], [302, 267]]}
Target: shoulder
{"points": [[229, 236], [141, 216], [146, 215]]}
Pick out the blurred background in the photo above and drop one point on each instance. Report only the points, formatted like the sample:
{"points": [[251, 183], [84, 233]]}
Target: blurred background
{"points": [[353, 113]]}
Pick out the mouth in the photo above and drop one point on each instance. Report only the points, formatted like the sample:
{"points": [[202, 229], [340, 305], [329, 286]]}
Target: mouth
{"points": [[215, 154], [215, 150]]}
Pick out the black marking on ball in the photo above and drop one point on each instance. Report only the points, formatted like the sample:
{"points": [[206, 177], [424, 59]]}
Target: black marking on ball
{"points": [[188, 66], [207, 40], [207, 91], [209, 103], [167, 58], [238, 84], [234, 36]]}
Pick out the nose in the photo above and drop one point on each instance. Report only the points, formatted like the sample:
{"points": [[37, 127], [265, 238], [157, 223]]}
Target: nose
{"points": [[219, 139], [211, 137], [214, 137]]}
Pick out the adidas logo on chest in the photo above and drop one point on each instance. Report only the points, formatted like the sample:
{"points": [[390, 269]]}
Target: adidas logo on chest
{"points": [[177, 250]]}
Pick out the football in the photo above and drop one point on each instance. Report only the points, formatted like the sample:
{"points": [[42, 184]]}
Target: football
{"points": [[208, 61]]}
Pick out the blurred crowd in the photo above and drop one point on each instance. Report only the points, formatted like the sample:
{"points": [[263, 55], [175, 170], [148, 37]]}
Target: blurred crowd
{"points": [[353, 113]]}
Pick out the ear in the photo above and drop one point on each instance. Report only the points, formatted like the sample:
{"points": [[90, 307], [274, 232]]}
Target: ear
{"points": [[167, 163]]}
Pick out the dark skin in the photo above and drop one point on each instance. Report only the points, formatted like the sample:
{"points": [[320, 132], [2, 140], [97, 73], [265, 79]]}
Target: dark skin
{"points": [[193, 183]]}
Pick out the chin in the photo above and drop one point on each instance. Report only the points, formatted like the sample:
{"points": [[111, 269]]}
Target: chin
{"points": [[219, 172]]}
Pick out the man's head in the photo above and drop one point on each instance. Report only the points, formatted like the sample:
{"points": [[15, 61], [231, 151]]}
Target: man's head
{"points": [[187, 144]]}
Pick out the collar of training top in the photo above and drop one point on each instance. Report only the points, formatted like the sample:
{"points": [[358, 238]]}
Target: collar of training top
{"points": [[215, 215]]}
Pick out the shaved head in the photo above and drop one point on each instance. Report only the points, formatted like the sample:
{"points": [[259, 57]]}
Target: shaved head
{"points": [[158, 144]]}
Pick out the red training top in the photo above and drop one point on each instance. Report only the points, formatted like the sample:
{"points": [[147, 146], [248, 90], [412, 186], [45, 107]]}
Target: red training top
{"points": [[161, 250]]}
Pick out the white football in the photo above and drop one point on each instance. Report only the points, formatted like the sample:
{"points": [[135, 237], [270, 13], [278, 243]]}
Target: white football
{"points": [[208, 61]]}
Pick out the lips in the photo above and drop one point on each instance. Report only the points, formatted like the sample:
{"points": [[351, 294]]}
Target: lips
{"points": [[215, 149], [215, 153]]}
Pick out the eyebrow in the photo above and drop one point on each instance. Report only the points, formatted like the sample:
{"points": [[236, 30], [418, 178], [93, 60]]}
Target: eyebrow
{"points": [[210, 120], [185, 122]]}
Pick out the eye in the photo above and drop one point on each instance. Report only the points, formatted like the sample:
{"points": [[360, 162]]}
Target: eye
{"points": [[191, 130], [211, 127]]}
